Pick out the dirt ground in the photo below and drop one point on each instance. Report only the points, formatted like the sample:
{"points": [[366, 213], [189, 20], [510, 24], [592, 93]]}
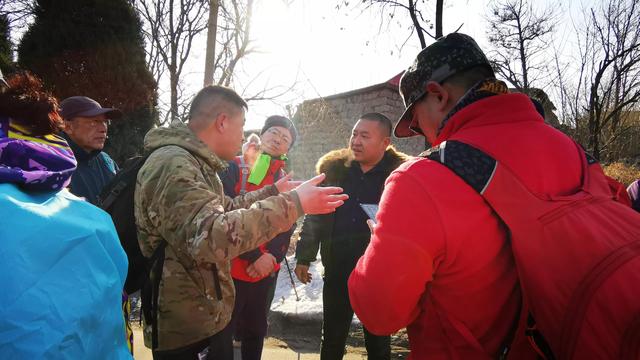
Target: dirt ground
{"points": [[303, 337], [295, 339]]}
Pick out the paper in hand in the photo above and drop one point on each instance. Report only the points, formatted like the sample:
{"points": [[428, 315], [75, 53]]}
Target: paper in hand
{"points": [[371, 210]]}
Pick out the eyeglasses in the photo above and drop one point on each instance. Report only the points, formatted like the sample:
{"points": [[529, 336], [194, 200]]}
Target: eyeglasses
{"points": [[283, 137], [95, 122]]}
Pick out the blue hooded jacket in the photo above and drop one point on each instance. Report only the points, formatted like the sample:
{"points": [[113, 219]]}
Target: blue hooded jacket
{"points": [[62, 268]]}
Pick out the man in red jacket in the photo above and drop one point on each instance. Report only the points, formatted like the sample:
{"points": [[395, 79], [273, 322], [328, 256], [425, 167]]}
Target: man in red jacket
{"points": [[255, 272], [440, 262]]}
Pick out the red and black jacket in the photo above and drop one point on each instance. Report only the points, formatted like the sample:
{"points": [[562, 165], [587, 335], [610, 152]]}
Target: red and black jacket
{"points": [[278, 246]]}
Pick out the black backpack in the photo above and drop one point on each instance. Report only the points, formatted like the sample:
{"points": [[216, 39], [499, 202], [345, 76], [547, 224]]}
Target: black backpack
{"points": [[117, 199]]}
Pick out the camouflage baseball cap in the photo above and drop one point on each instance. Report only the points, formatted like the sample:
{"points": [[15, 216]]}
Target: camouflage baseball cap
{"points": [[449, 55]]}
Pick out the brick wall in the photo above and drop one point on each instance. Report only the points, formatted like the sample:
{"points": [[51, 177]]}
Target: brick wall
{"points": [[325, 124]]}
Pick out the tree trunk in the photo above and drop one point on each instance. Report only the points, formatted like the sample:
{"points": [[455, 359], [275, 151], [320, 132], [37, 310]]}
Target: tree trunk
{"points": [[594, 145], [439, 5], [209, 63], [173, 75], [173, 83], [523, 55], [594, 126], [416, 24]]}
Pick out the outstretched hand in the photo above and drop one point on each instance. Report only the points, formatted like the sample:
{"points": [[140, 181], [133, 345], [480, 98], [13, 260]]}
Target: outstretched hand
{"points": [[319, 200], [285, 183]]}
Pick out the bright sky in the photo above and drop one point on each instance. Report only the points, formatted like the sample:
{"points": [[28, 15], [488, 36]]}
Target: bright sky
{"points": [[324, 50]]}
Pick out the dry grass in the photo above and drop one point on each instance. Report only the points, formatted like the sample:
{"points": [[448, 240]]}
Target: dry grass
{"points": [[624, 173]]}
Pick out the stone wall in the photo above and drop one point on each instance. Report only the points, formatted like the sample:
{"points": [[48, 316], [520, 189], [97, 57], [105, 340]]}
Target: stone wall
{"points": [[325, 124]]}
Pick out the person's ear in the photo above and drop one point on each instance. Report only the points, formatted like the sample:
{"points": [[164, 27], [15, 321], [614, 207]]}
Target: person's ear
{"points": [[221, 122], [67, 127], [439, 93], [386, 141]]}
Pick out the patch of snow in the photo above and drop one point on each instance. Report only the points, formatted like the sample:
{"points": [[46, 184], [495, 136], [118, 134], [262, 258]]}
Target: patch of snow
{"points": [[310, 304]]}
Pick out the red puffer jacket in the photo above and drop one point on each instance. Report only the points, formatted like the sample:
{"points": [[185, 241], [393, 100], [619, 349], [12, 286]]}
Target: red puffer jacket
{"points": [[439, 262], [277, 246]]}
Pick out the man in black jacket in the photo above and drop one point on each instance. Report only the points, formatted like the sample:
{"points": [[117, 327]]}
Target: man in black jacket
{"points": [[344, 235], [85, 128]]}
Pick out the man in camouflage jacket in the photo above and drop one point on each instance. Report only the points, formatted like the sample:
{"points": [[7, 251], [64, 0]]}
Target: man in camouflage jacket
{"points": [[179, 202]]}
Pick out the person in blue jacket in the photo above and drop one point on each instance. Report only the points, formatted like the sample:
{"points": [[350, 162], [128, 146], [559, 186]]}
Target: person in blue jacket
{"points": [[62, 268], [85, 127]]}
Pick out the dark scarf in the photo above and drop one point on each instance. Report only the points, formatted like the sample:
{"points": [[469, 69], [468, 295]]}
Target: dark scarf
{"points": [[36, 163], [482, 90]]}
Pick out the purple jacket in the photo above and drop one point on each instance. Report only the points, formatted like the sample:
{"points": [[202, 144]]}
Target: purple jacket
{"points": [[634, 191]]}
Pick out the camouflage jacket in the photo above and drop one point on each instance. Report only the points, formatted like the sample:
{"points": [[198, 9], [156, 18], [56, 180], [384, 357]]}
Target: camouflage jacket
{"points": [[179, 199]]}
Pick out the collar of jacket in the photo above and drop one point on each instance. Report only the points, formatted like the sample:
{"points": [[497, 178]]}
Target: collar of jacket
{"points": [[336, 163], [493, 110], [80, 154], [180, 135]]}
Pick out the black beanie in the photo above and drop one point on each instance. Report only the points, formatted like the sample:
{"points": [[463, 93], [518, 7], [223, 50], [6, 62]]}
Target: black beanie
{"points": [[277, 120]]}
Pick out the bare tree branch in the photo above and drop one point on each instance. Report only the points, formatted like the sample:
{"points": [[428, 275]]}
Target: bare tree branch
{"points": [[519, 35], [173, 27], [170, 28], [19, 14], [608, 82], [420, 24]]}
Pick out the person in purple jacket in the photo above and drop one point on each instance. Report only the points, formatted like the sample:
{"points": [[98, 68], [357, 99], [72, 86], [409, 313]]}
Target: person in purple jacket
{"points": [[634, 194]]}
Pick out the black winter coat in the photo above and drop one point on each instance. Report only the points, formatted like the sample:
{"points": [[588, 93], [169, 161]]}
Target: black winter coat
{"points": [[344, 235]]}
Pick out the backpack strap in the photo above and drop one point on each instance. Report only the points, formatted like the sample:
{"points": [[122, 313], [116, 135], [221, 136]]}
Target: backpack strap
{"points": [[472, 165], [113, 195], [149, 293], [477, 169], [105, 202], [244, 175]]}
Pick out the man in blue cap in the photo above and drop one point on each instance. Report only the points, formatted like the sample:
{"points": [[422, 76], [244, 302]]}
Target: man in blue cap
{"points": [[85, 126]]}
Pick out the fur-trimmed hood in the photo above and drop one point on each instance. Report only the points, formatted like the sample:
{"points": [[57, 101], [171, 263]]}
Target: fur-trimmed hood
{"points": [[335, 163]]}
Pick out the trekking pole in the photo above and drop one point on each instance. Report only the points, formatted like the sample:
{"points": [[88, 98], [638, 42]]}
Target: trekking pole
{"points": [[293, 284]]}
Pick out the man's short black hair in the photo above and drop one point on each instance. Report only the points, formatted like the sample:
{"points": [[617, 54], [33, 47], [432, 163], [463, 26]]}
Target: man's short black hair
{"points": [[469, 77], [382, 120], [214, 92]]}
